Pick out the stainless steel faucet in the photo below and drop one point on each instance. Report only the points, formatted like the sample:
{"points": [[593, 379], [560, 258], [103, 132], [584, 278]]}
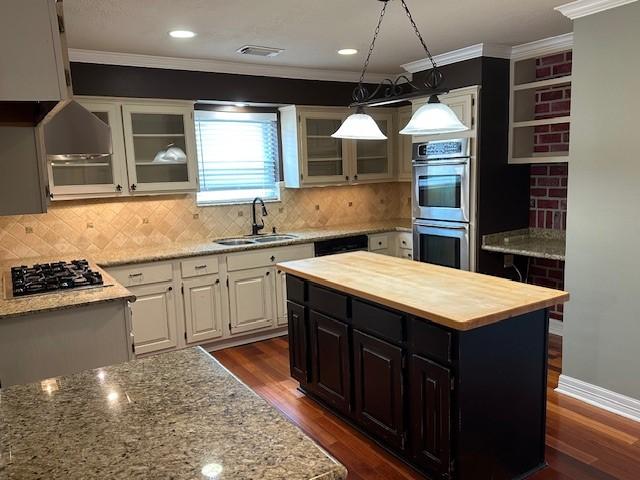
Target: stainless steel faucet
{"points": [[255, 226]]}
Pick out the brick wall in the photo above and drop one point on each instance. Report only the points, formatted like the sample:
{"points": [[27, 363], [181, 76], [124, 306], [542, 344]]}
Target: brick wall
{"points": [[548, 273], [548, 193]]}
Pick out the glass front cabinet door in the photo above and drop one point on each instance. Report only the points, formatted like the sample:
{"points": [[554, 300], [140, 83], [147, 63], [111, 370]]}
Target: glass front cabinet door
{"points": [[86, 177], [373, 157], [323, 156], [160, 145]]}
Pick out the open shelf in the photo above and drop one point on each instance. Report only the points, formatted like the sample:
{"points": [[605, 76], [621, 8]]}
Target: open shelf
{"points": [[325, 159], [543, 121], [80, 165], [553, 157], [552, 82]]}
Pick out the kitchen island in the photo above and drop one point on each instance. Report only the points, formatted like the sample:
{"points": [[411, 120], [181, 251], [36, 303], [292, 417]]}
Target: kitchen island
{"points": [[447, 369], [178, 415]]}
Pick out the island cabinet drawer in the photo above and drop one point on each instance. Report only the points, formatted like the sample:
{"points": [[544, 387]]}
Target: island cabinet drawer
{"points": [[328, 302], [295, 289], [430, 340], [405, 240], [379, 321], [267, 257], [378, 242], [143, 274], [195, 267]]}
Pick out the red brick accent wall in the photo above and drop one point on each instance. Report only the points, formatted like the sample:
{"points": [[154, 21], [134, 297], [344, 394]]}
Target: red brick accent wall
{"points": [[552, 102], [548, 194], [548, 273]]}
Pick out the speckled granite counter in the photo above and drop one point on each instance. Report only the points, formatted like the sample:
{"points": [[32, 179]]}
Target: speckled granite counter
{"points": [[12, 307], [180, 250], [529, 242], [179, 415]]}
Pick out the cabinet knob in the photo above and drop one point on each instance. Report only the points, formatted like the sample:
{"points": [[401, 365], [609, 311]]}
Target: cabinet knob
{"points": [[217, 281], [346, 177], [268, 273], [118, 188], [169, 289], [273, 258], [133, 186], [380, 243], [355, 177]]}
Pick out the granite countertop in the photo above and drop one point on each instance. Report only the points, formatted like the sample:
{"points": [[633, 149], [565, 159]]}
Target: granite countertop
{"points": [[13, 307], [179, 415], [192, 249], [10, 307], [529, 242], [453, 298]]}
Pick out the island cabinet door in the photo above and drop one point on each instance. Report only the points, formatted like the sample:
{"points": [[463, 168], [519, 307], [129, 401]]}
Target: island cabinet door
{"points": [[430, 416], [298, 341], [378, 397], [330, 366]]}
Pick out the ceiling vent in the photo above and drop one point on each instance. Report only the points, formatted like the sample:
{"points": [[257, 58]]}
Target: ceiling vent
{"points": [[260, 51]]}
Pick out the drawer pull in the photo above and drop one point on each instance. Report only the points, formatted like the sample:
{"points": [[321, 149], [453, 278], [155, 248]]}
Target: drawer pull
{"points": [[200, 267], [169, 289], [134, 275]]}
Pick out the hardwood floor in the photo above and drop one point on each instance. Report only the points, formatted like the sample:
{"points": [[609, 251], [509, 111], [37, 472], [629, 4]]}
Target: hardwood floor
{"points": [[583, 442]]}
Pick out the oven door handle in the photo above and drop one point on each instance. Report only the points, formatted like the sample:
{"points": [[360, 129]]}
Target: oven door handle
{"points": [[437, 163], [447, 227]]}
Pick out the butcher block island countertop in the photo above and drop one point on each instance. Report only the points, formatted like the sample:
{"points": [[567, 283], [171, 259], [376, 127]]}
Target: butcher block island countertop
{"points": [[453, 298]]}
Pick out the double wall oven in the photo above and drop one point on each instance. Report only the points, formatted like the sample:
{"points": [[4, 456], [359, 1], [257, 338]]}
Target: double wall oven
{"points": [[442, 203]]}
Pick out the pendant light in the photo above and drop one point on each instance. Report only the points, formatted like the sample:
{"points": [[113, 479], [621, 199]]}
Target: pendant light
{"points": [[432, 118]]}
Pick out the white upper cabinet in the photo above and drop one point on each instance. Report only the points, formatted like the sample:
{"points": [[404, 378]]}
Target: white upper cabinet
{"points": [[463, 103], [154, 151], [160, 146], [105, 176], [33, 58], [373, 158], [311, 156]]}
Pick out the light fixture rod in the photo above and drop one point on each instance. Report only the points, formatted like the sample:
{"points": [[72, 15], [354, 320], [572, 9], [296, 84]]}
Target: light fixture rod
{"points": [[417, 31]]}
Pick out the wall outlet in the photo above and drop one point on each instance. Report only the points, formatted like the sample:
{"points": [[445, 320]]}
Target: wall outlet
{"points": [[508, 261]]}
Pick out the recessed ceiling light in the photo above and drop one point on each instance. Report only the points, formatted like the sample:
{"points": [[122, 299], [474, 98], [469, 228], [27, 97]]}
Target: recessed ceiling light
{"points": [[348, 51], [182, 34]]}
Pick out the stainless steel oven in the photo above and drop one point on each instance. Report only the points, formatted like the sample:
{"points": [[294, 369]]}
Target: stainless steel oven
{"points": [[442, 243], [441, 179]]}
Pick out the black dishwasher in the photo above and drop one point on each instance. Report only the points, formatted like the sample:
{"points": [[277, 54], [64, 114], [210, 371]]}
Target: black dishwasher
{"points": [[341, 245]]}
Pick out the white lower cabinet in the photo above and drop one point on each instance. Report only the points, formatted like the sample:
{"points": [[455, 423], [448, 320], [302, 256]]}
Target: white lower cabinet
{"points": [[154, 317], [203, 309], [251, 299]]}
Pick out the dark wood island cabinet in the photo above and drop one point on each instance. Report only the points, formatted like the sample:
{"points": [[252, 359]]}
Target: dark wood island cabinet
{"points": [[452, 382]]}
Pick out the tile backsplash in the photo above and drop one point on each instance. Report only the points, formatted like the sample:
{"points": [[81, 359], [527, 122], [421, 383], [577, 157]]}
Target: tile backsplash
{"points": [[85, 226]]}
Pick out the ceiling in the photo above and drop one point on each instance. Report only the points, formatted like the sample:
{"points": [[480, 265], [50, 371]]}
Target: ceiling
{"points": [[310, 31]]}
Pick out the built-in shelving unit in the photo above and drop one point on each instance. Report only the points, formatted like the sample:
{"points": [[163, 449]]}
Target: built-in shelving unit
{"points": [[531, 115]]}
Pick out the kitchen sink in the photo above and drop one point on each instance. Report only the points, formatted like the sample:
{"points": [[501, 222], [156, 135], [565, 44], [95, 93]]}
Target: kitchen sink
{"points": [[235, 241], [231, 242], [273, 238]]}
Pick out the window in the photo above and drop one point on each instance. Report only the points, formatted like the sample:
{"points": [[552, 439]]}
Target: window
{"points": [[237, 156]]}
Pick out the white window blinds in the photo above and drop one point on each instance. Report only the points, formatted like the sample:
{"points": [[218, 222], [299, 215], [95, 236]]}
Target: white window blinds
{"points": [[237, 156]]}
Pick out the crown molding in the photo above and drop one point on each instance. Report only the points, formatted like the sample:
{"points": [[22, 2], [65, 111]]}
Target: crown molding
{"points": [[466, 53], [219, 66], [543, 47], [582, 8]]}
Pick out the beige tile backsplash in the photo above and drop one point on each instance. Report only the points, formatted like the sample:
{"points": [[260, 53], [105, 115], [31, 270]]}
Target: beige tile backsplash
{"points": [[85, 226]]}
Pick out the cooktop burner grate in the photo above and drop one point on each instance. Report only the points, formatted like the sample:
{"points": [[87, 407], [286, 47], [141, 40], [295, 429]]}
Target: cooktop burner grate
{"points": [[52, 277]]}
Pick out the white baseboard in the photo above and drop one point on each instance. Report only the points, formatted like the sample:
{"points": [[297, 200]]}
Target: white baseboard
{"points": [[555, 327], [600, 397]]}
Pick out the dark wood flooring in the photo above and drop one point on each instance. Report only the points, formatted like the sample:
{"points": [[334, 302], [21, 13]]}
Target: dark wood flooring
{"points": [[583, 442]]}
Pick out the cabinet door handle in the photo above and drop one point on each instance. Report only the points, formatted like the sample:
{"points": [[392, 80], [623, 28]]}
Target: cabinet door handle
{"points": [[200, 267], [346, 177], [355, 177], [169, 289], [133, 187], [134, 275], [217, 281], [118, 188], [279, 272], [268, 273], [380, 243], [273, 258]]}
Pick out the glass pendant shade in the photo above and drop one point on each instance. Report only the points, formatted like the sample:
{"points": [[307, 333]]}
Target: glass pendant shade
{"points": [[433, 118], [359, 126]]}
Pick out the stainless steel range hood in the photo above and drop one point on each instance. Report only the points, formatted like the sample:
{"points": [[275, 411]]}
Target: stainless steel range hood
{"points": [[71, 132]]}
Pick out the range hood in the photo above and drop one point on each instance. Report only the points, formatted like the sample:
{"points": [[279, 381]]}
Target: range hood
{"points": [[71, 132]]}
